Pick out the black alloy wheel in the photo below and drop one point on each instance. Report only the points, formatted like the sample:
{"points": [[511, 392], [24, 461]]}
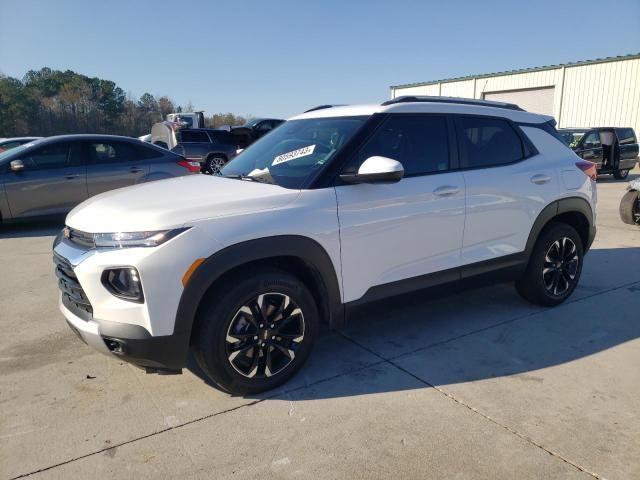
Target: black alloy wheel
{"points": [[255, 331], [264, 335], [214, 165], [554, 267], [621, 174], [560, 266]]}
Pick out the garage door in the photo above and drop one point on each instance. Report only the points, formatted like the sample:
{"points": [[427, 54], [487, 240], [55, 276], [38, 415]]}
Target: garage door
{"points": [[538, 100]]}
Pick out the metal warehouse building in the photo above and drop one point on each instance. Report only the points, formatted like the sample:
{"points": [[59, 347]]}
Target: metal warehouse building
{"points": [[592, 93]]}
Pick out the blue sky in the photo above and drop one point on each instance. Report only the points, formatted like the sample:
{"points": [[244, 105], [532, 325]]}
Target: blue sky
{"points": [[277, 58]]}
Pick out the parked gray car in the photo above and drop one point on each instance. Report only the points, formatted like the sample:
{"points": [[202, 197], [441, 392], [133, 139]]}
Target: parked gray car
{"points": [[53, 175], [211, 148]]}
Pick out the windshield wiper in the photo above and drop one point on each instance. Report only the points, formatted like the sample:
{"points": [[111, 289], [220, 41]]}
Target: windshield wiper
{"points": [[236, 176]]}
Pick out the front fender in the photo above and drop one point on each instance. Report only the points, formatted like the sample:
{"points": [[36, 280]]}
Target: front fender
{"points": [[302, 248]]}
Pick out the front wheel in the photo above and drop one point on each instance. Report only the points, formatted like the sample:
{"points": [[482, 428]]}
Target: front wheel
{"points": [[630, 208], [620, 174], [554, 267], [214, 164], [256, 335]]}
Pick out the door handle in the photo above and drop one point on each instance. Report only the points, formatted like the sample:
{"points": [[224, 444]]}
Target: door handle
{"points": [[135, 169], [540, 179], [71, 176], [446, 191]]}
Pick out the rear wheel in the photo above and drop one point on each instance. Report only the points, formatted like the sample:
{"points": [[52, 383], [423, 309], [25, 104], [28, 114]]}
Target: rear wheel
{"points": [[554, 267], [256, 335], [214, 164], [620, 174], [630, 207]]}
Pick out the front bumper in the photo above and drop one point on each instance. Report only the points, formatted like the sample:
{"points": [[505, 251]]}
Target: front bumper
{"points": [[140, 333], [130, 343]]}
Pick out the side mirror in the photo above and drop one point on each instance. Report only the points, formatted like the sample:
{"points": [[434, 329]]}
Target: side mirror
{"points": [[16, 166], [376, 170]]}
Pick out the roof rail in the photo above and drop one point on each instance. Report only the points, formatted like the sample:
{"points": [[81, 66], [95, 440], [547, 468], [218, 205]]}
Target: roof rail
{"points": [[320, 107], [456, 100]]}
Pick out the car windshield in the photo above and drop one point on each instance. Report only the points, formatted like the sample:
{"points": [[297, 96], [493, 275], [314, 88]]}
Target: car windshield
{"points": [[252, 123], [294, 152], [4, 154], [187, 122]]}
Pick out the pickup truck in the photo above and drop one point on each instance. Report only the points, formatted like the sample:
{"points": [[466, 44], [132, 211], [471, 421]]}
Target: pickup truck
{"points": [[254, 129], [614, 150]]}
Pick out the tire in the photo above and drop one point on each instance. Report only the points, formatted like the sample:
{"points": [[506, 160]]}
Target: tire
{"points": [[214, 163], [630, 207], [560, 243], [620, 174], [271, 349]]}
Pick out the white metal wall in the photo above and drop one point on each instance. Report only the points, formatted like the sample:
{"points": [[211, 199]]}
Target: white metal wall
{"points": [[602, 94], [538, 100], [591, 95]]}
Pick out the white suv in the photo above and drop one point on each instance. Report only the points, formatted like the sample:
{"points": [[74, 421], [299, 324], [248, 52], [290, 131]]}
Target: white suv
{"points": [[337, 207]]}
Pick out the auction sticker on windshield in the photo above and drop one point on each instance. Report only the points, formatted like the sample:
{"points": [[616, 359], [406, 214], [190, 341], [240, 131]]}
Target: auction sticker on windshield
{"points": [[287, 157]]}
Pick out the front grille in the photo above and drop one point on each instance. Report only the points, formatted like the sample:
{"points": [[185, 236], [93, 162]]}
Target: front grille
{"points": [[73, 296], [80, 238]]}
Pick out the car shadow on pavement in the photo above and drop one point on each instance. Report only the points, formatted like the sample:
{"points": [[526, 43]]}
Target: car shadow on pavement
{"points": [[611, 179], [39, 228], [470, 336]]}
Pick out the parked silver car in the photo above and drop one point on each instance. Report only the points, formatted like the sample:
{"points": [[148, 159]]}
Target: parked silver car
{"points": [[53, 175]]}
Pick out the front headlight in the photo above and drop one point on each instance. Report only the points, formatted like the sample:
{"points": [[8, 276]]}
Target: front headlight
{"points": [[135, 239]]}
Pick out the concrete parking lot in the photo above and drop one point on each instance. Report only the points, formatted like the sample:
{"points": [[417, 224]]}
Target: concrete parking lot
{"points": [[476, 385]]}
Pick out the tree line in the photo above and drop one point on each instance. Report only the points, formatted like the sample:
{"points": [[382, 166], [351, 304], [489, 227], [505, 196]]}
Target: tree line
{"points": [[52, 102]]}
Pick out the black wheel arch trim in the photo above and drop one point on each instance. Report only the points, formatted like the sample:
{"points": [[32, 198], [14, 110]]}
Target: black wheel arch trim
{"points": [[310, 252], [217, 154], [551, 211]]}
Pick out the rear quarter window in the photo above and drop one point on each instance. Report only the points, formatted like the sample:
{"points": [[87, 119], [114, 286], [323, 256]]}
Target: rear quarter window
{"points": [[626, 136], [487, 142], [144, 153]]}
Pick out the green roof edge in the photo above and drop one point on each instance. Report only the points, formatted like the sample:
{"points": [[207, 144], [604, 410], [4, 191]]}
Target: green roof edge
{"points": [[630, 56]]}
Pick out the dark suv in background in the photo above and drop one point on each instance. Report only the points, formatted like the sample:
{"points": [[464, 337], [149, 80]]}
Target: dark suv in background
{"points": [[212, 149], [53, 175], [613, 150]]}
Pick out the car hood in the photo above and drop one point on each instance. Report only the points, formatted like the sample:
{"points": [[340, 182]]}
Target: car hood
{"points": [[175, 202]]}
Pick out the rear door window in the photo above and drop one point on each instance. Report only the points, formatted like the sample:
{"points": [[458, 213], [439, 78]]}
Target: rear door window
{"points": [[109, 152], [487, 142], [222, 137]]}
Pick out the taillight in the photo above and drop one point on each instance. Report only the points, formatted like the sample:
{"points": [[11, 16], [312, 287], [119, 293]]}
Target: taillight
{"points": [[190, 165], [589, 169]]}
